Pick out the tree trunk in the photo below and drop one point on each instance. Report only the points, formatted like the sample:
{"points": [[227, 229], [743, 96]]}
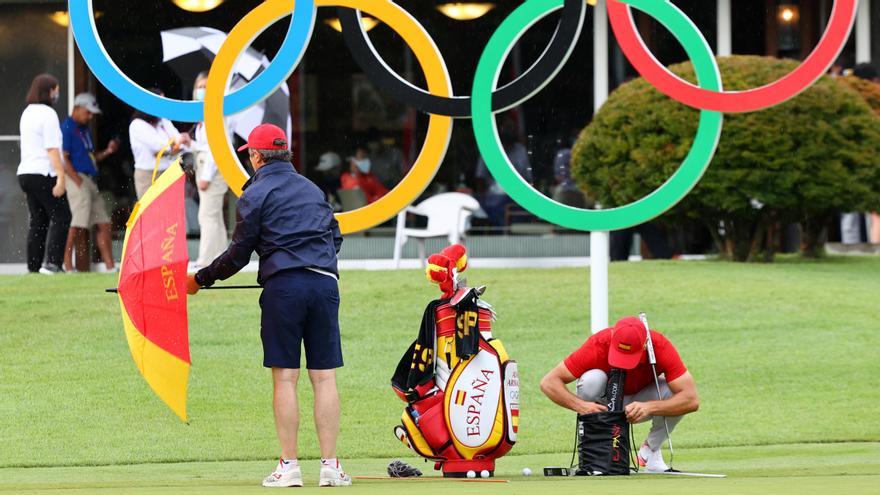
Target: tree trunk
{"points": [[813, 236], [739, 234]]}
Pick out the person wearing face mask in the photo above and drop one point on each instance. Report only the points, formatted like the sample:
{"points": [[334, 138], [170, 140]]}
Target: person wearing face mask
{"points": [[285, 218], [493, 199], [148, 135], [211, 186], [360, 176], [41, 177], [86, 203]]}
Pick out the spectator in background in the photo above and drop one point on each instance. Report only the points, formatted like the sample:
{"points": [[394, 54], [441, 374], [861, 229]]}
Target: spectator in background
{"points": [[148, 135], [41, 177], [566, 191], [387, 160], [212, 190], [494, 200], [87, 207], [330, 168], [853, 228], [360, 176]]}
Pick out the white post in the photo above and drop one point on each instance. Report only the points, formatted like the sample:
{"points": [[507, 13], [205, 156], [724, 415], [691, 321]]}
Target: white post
{"points": [[863, 32], [600, 54], [71, 90], [724, 42], [599, 241]]}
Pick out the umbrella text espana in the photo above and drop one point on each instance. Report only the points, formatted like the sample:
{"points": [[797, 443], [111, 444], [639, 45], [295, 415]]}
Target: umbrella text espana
{"points": [[152, 289]]}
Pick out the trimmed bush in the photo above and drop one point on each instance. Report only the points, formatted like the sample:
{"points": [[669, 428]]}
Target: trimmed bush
{"points": [[800, 161]]}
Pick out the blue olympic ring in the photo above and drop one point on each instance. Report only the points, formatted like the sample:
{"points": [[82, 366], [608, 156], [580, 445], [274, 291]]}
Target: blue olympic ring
{"points": [[82, 22]]}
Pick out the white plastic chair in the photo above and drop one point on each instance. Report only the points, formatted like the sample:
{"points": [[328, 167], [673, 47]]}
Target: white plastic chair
{"points": [[448, 215]]}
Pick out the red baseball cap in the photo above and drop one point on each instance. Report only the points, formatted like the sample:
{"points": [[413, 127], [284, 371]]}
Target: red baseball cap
{"points": [[628, 339], [266, 137]]}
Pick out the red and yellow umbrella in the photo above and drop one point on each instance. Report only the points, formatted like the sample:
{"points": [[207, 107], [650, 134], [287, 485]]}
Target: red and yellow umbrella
{"points": [[152, 289]]}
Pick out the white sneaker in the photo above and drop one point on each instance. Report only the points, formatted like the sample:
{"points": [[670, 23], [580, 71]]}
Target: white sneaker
{"points": [[282, 478], [50, 269], [101, 267], [333, 476], [651, 460]]}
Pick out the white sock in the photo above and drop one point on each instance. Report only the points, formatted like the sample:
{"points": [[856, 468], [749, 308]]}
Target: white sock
{"points": [[333, 462], [645, 451], [288, 464]]}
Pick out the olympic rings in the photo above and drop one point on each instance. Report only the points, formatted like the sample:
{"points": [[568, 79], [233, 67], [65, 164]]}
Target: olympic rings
{"points": [[652, 205], [839, 25], [486, 99], [82, 22], [524, 87], [436, 74]]}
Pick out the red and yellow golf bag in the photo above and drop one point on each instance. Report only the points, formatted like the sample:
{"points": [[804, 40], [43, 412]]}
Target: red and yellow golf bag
{"points": [[460, 386]]}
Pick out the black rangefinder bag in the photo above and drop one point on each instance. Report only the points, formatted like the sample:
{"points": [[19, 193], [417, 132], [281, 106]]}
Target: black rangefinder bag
{"points": [[603, 444], [603, 438]]}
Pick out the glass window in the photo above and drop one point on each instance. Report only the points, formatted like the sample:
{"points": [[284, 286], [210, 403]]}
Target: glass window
{"points": [[33, 40]]}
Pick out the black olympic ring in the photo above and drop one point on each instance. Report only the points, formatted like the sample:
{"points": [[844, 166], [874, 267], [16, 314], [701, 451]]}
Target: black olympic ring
{"points": [[512, 94]]}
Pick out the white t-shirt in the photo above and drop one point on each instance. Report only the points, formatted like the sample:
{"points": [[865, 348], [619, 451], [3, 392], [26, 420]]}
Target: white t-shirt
{"points": [[40, 131], [207, 166], [146, 141]]}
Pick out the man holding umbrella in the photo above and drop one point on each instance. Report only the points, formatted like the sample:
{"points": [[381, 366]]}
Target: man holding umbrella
{"points": [[284, 218]]}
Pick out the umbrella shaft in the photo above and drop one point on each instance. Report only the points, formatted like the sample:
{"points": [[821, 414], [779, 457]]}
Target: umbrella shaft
{"points": [[222, 287]]}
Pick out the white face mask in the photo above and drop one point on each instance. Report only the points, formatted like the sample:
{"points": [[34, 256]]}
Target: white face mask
{"points": [[363, 165], [199, 94], [55, 96]]}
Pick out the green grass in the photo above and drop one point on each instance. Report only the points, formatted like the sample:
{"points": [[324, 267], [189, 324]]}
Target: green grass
{"points": [[783, 354], [834, 468]]}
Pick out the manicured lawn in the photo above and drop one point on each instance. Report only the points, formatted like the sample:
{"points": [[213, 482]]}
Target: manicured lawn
{"points": [[783, 354]]}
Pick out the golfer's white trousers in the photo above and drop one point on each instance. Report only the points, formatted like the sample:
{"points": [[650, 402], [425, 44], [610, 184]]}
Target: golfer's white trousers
{"points": [[591, 388]]}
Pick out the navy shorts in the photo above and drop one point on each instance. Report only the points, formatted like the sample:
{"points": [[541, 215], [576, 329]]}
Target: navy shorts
{"points": [[300, 307]]}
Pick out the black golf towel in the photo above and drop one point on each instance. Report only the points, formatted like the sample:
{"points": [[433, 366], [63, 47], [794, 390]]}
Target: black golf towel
{"points": [[467, 327], [416, 367]]}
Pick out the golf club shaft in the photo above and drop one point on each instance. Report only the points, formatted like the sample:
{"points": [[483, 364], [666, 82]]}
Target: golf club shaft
{"points": [[221, 287], [652, 358]]}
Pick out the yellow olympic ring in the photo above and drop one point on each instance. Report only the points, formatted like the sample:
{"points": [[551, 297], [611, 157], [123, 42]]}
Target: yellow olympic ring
{"points": [[426, 52]]}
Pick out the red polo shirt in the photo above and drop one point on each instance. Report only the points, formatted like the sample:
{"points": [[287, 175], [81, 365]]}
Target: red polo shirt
{"points": [[593, 354]]}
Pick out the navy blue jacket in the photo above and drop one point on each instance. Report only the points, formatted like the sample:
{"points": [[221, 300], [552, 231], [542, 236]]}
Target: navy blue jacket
{"points": [[285, 218]]}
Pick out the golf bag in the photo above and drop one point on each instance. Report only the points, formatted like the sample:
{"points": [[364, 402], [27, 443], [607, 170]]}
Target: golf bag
{"points": [[460, 386], [604, 438]]}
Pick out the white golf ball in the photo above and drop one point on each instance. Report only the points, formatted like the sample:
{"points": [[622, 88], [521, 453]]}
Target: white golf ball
{"points": [[527, 472], [484, 474], [471, 474]]}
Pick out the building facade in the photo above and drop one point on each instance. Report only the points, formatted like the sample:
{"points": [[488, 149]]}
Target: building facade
{"points": [[335, 107]]}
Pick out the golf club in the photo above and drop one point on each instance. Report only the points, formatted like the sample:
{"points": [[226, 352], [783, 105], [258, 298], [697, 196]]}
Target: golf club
{"points": [[653, 360]]}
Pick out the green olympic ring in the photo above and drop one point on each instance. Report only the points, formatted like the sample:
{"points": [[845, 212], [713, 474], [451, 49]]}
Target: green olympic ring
{"points": [[654, 204]]}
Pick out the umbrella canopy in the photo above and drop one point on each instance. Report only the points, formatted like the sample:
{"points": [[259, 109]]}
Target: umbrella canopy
{"points": [[190, 50], [152, 289]]}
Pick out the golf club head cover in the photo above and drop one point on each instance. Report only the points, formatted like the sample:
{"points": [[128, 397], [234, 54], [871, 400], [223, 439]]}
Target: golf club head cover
{"points": [[458, 254], [443, 267], [439, 271]]}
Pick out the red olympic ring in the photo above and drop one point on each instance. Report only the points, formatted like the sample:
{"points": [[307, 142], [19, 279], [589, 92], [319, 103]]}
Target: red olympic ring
{"points": [[839, 25]]}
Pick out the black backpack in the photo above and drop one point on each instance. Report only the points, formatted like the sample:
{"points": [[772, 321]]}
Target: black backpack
{"points": [[604, 438]]}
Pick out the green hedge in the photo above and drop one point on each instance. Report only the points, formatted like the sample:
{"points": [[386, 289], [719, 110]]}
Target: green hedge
{"points": [[800, 161]]}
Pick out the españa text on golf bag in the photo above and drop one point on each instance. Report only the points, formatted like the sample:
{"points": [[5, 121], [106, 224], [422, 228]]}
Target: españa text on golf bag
{"points": [[461, 387]]}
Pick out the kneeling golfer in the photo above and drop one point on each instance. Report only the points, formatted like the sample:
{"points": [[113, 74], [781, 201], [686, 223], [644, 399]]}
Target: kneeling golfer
{"points": [[284, 218], [623, 346]]}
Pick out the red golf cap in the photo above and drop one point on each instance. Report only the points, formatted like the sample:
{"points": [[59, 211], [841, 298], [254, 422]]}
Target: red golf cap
{"points": [[266, 137], [628, 339]]}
